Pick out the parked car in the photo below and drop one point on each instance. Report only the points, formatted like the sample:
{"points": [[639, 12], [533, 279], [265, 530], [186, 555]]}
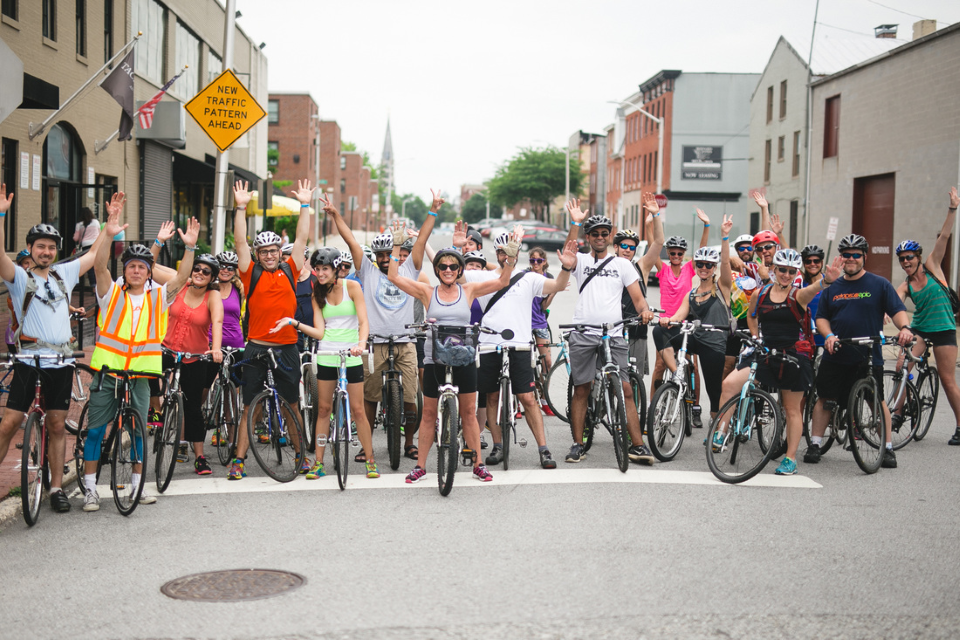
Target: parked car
{"points": [[547, 239]]}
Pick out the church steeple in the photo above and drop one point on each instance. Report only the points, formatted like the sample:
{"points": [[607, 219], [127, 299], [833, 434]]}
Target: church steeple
{"points": [[386, 167]]}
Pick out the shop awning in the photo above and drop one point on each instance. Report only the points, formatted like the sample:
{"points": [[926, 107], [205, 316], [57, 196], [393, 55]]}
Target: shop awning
{"points": [[281, 206]]}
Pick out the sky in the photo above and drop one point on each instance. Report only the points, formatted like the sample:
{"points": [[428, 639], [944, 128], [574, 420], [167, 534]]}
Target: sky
{"points": [[465, 84]]}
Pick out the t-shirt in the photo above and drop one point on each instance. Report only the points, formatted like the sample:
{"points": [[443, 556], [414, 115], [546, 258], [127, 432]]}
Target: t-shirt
{"points": [[740, 293], [273, 299], [389, 309], [514, 309], [305, 301], [599, 302], [539, 315], [855, 309], [673, 289], [48, 318]]}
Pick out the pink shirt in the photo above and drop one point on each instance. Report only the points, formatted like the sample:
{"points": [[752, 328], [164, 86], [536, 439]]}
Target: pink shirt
{"points": [[673, 289]]}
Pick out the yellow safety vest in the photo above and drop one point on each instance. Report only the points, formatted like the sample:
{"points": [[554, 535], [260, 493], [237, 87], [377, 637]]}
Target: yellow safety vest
{"points": [[122, 346]]}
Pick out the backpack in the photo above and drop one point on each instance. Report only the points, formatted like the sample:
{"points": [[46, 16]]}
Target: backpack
{"points": [[805, 345], [255, 278], [30, 293]]}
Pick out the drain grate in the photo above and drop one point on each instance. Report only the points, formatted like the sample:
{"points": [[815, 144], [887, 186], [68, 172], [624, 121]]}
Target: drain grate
{"points": [[232, 586]]}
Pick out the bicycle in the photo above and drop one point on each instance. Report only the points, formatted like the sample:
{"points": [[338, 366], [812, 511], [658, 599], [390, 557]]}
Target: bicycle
{"points": [[390, 414], [867, 425], [222, 410], [753, 416], [507, 409], [341, 432], [167, 439], [671, 408], [902, 399], [308, 392], [836, 429], [928, 390], [34, 465], [558, 380], [273, 427]]}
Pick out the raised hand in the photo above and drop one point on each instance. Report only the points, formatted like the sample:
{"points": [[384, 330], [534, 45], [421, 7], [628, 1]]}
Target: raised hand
{"points": [[437, 201], [761, 201], [303, 192], [6, 200], [328, 206], [193, 232], [113, 226], [704, 218], [726, 225], [573, 207], [241, 193], [167, 229], [397, 229], [413, 233], [117, 201], [954, 198], [650, 202], [516, 238], [568, 257], [776, 224], [460, 234], [833, 270]]}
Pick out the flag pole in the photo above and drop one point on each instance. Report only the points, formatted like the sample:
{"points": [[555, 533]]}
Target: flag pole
{"points": [[34, 132]]}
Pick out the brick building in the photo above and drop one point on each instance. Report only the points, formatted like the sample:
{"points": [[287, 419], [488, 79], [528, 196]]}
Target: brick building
{"points": [[356, 191], [293, 129]]}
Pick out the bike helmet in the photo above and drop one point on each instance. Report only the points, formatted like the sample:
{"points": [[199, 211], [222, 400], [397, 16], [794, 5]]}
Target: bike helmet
{"points": [[502, 240], [228, 259], [326, 256], [346, 258], [787, 258], [287, 249], [407, 245], [211, 262], [137, 252], [597, 222], [20, 256], [367, 251], [676, 242], [445, 253], [383, 242], [812, 250], [44, 230], [707, 254], [267, 239], [853, 241], [909, 245], [743, 239], [476, 256], [625, 234], [473, 234], [765, 236]]}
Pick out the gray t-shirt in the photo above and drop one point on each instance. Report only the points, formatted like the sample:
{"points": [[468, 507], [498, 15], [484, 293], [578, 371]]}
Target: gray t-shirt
{"points": [[389, 309], [48, 317]]}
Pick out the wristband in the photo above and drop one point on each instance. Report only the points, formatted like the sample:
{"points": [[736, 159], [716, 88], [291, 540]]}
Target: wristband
{"points": [[829, 335], [193, 248], [242, 207], [3, 215], [656, 215], [298, 325], [394, 259], [576, 224], [724, 238], [431, 213], [951, 208], [563, 268], [157, 242], [290, 322], [706, 225], [304, 206]]}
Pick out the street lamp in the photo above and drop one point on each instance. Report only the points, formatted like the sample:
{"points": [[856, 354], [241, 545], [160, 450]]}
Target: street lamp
{"points": [[317, 190], [623, 164], [403, 206]]}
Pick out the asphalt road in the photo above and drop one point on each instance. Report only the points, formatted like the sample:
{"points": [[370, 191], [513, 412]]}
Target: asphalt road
{"points": [[583, 551]]}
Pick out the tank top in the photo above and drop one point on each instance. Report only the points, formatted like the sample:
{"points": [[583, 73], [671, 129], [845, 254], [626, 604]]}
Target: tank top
{"points": [[711, 311], [341, 329], [188, 327], [456, 313], [232, 331], [934, 312], [782, 323]]}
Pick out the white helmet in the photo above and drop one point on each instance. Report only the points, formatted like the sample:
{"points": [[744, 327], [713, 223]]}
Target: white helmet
{"points": [[502, 240], [367, 251], [787, 258], [287, 249], [267, 239], [745, 238], [707, 254], [383, 242]]}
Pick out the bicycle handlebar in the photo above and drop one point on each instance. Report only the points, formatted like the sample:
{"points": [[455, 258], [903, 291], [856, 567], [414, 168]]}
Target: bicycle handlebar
{"points": [[186, 355], [24, 358]]}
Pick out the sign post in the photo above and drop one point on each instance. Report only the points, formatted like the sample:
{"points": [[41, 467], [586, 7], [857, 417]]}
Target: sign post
{"points": [[831, 236]]}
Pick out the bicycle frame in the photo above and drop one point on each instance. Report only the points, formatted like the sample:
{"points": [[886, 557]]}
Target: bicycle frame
{"points": [[341, 394]]}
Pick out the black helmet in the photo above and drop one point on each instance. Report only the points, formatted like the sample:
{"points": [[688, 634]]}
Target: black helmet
{"points": [[676, 242], [138, 252], [597, 222], [211, 262], [326, 256], [853, 241], [446, 253], [473, 234], [44, 230], [812, 250], [407, 245]]}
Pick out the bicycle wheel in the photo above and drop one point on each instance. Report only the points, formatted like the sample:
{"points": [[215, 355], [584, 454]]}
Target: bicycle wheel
{"points": [[32, 468], [167, 439], [79, 429], [448, 444], [393, 397], [733, 447], [903, 433], [506, 420], [341, 439], [617, 417], [770, 437], [276, 437], [639, 399], [868, 425], [928, 391], [555, 389], [667, 422], [589, 426], [128, 452], [79, 393], [219, 408], [308, 407], [808, 407]]}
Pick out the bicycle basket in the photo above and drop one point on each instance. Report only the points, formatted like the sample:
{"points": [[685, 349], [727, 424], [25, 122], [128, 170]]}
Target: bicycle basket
{"points": [[454, 346]]}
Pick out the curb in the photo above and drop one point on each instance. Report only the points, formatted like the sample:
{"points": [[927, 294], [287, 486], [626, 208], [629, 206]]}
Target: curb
{"points": [[12, 508]]}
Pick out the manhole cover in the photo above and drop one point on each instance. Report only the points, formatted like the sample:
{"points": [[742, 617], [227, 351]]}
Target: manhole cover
{"points": [[232, 586]]}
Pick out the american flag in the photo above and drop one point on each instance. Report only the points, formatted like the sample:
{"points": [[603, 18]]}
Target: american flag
{"points": [[146, 111]]}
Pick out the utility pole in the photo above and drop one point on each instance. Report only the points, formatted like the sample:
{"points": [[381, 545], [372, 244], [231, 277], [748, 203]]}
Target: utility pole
{"points": [[317, 188], [223, 157]]}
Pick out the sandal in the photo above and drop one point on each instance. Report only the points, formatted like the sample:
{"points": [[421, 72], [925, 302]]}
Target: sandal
{"points": [[360, 457], [411, 451]]}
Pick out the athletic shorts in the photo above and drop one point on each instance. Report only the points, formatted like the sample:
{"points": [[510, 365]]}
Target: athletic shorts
{"points": [[521, 373], [778, 374], [405, 361], [585, 357], [354, 373], [938, 338], [543, 334], [56, 383], [834, 380], [286, 376], [434, 376], [103, 403], [734, 343]]}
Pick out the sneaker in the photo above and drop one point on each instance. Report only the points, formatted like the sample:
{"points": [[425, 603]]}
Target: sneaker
{"points": [[896, 421], [154, 421], [889, 459], [576, 454], [697, 421], [718, 439], [787, 467], [236, 471], [480, 473], [304, 467], [640, 453], [496, 455], [812, 456], [59, 502], [547, 461], [416, 475], [316, 471], [146, 498], [182, 452], [547, 411], [955, 440], [483, 443], [91, 501], [372, 471], [519, 415], [202, 467]]}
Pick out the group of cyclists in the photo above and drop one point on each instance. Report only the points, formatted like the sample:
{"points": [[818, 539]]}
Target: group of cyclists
{"points": [[276, 297]]}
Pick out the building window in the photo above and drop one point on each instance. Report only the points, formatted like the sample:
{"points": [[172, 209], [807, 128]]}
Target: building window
{"points": [[769, 103], [831, 127], [781, 152], [273, 111], [343, 163], [9, 8], [766, 162], [273, 154], [50, 19], [656, 163], [783, 99], [82, 28], [343, 185], [107, 29], [188, 55], [214, 66], [8, 175], [644, 168], [149, 17], [796, 154]]}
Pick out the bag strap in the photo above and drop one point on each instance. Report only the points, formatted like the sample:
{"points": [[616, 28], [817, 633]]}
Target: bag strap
{"points": [[595, 272], [499, 294], [30, 293]]}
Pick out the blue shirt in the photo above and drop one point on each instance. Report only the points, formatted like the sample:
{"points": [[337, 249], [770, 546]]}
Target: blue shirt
{"points": [[47, 321]]}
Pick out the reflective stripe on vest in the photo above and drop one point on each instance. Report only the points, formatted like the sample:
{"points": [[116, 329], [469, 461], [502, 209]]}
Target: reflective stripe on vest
{"points": [[120, 346]]}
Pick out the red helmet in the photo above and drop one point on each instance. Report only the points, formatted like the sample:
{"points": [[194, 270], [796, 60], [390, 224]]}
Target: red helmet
{"points": [[765, 236]]}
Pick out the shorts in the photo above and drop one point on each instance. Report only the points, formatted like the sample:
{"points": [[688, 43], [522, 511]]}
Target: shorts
{"points": [[421, 352], [786, 377], [354, 373], [938, 338], [585, 357], [638, 355], [543, 334], [103, 404], [405, 361], [834, 380], [434, 375], [521, 373], [56, 383], [734, 343], [286, 376]]}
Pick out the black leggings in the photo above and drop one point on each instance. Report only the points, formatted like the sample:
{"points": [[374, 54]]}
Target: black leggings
{"points": [[194, 378], [711, 362]]}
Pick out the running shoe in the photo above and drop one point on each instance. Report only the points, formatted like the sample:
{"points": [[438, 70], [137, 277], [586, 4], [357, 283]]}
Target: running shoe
{"points": [[718, 441], [372, 470], [496, 455], [640, 453], [236, 470], [316, 471], [812, 456], [480, 473], [787, 467], [547, 461], [416, 475], [576, 454], [547, 411], [215, 438], [91, 501], [146, 498], [889, 460], [202, 467], [59, 502], [182, 452]]}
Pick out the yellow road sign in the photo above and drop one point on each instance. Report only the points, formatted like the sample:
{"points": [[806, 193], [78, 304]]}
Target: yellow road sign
{"points": [[225, 110]]}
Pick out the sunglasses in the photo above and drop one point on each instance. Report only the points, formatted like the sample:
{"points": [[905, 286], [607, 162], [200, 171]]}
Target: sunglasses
{"points": [[744, 248], [852, 256], [705, 265], [448, 267], [202, 270], [789, 270], [812, 261], [597, 234], [537, 260], [906, 258], [676, 254], [227, 268], [767, 247], [628, 247]]}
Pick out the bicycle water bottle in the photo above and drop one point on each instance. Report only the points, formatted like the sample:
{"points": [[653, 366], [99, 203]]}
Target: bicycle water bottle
{"points": [[909, 376]]}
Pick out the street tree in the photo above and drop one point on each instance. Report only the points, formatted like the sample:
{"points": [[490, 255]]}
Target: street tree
{"points": [[475, 209], [536, 175]]}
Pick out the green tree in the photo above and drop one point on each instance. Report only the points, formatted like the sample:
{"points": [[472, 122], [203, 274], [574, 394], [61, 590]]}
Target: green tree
{"points": [[475, 209], [416, 208], [537, 175]]}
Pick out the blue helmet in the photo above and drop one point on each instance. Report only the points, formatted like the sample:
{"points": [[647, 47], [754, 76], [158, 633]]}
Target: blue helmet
{"points": [[20, 256], [909, 245]]}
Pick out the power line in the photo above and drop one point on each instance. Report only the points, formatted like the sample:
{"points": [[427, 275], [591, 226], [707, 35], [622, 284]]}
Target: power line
{"points": [[859, 33], [912, 15]]}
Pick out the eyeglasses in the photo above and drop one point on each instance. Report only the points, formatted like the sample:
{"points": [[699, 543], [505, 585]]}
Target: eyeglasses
{"points": [[852, 256], [766, 247], [537, 260], [789, 270], [812, 261], [906, 258], [597, 234], [202, 270], [676, 254], [744, 248], [705, 265], [269, 252], [628, 247], [448, 267]]}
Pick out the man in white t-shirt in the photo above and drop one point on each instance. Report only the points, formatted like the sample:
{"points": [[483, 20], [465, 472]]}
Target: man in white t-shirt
{"points": [[513, 310], [601, 280]]}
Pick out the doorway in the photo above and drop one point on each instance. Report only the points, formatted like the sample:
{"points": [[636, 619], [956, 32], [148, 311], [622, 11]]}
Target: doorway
{"points": [[873, 219]]}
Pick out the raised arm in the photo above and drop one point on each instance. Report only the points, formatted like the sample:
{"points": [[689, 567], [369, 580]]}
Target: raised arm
{"points": [[576, 219], [932, 263], [764, 210], [344, 229], [705, 219], [304, 194], [651, 258], [110, 229], [568, 260], [8, 270], [241, 197], [726, 274], [421, 243], [167, 229], [418, 290], [89, 258], [186, 263], [830, 273]]}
